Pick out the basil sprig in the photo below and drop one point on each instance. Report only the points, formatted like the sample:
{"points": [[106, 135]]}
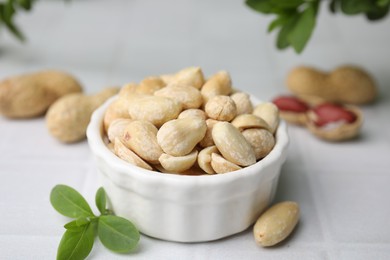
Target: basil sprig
{"points": [[116, 233], [8, 9], [296, 19]]}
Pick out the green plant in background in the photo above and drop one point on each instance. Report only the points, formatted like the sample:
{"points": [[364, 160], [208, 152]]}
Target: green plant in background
{"points": [[116, 233], [8, 9], [296, 19]]}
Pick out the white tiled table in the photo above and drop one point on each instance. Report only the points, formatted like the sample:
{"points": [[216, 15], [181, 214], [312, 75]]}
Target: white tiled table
{"points": [[343, 189]]}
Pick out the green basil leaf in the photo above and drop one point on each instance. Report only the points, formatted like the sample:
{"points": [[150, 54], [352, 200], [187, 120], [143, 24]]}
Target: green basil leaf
{"points": [[117, 234], [377, 13], [15, 31], [287, 4], [262, 6], [26, 4], [382, 3], [282, 39], [101, 200], [76, 245], [9, 11], [333, 6], [68, 202], [352, 7], [77, 224], [280, 21], [300, 34]]}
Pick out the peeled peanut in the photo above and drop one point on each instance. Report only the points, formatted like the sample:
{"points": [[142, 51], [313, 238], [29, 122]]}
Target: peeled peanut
{"points": [[67, 119], [276, 224], [334, 122], [117, 129], [221, 165], [127, 90], [192, 76], [221, 108], [179, 137], [178, 163], [292, 109], [129, 156], [243, 103], [111, 147], [30, 95], [261, 140], [140, 137], [204, 159], [194, 170], [218, 84], [246, 121], [150, 85], [154, 109], [269, 112], [346, 84], [116, 110], [208, 138], [188, 96], [167, 78], [232, 144], [193, 112]]}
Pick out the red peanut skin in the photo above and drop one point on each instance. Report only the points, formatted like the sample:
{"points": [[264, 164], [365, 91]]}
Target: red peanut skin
{"points": [[289, 103], [327, 113]]}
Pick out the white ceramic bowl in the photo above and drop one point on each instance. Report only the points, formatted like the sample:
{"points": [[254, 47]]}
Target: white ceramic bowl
{"points": [[187, 208]]}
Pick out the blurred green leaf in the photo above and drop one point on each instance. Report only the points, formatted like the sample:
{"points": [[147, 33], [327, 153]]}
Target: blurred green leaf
{"points": [[282, 41], [101, 200], [377, 13], [352, 7], [382, 3], [263, 6], [287, 4], [333, 5], [296, 19], [26, 4], [280, 21], [303, 28]]}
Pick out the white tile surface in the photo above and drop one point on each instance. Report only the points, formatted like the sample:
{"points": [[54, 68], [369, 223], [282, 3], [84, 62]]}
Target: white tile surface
{"points": [[342, 188]]}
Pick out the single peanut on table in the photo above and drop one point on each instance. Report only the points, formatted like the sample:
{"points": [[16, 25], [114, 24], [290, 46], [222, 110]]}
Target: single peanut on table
{"points": [[30, 95], [328, 121], [346, 84], [334, 122], [276, 223], [67, 119], [292, 109]]}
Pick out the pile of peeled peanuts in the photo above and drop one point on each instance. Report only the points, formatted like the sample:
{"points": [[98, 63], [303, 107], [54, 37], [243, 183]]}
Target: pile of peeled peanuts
{"points": [[182, 123]]}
